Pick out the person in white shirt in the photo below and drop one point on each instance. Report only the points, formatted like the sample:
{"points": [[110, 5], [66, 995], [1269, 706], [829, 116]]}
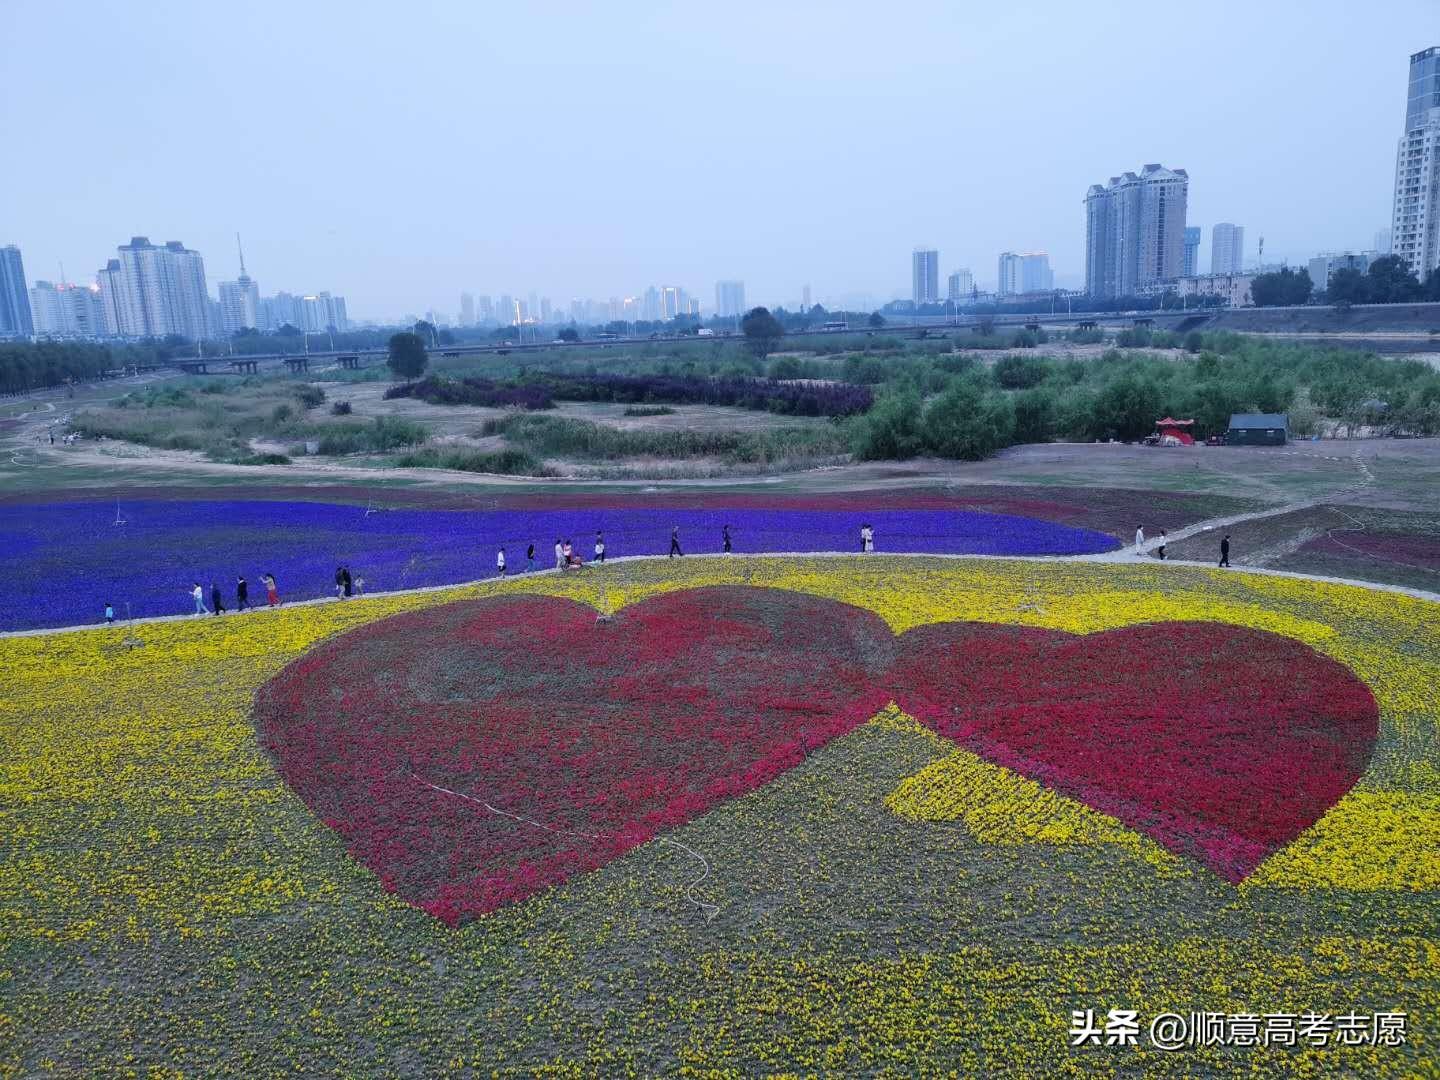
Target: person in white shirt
{"points": [[500, 562], [1139, 537], [559, 555], [599, 547], [199, 594]]}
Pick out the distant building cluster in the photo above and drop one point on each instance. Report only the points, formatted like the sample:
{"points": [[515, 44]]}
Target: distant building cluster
{"points": [[1137, 243], [153, 291]]}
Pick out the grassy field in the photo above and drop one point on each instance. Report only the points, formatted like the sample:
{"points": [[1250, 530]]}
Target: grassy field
{"points": [[172, 906]]}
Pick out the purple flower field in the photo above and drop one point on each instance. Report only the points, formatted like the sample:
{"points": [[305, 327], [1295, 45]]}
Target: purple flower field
{"points": [[61, 563]]}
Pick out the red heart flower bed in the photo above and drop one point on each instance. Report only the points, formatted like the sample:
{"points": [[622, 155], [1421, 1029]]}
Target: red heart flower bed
{"points": [[477, 753]]}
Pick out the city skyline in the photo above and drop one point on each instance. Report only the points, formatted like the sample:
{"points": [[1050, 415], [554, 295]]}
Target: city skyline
{"points": [[532, 207]]}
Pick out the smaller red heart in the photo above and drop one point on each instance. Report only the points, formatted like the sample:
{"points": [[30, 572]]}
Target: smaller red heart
{"points": [[1220, 742]]}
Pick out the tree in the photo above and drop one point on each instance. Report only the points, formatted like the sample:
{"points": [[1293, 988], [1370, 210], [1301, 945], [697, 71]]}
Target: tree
{"points": [[876, 320], [1348, 286], [1431, 288], [568, 333], [1281, 288], [966, 423], [1391, 281], [425, 331], [1127, 407], [891, 429], [408, 358], [762, 331]]}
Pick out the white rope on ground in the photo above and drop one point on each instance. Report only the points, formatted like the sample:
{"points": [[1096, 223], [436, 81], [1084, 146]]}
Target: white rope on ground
{"points": [[711, 910]]}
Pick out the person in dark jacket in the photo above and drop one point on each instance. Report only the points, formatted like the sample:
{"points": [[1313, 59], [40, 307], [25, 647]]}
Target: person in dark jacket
{"points": [[725, 538], [675, 542], [530, 558], [346, 582], [217, 602], [1225, 550], [242, 593]]}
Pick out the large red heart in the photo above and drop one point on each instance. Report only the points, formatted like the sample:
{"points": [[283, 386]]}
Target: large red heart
{"points": [[476, 753], [572, 742]]}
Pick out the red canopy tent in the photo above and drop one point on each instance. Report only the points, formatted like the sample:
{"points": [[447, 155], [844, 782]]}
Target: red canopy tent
{"points": [[1176, 429]]}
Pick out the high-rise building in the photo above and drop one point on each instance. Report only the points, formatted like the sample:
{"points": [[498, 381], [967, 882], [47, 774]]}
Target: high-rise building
{"points": [[1227, 248], [1322, 267], [1415, 221], [67, 311], [729, 298], [1382, 241], [962, 284], [805, 298], [650, 305], [485, 309], [1190, 261], [1135, 231], [673, 302], [925, 275], [467, 309], [509, 312], [1008, 274], [239, 299], [1035, 273], [1025, 273], [157, 290], [15, 318]]}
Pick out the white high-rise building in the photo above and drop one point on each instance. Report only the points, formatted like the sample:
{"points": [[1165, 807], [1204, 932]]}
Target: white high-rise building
{"points": [[962, 285], [729, 298], [156, 291], [467, 309], [925, 275], [1135, 231], [1035, 273], [1227, 248], [1008, 274], [67, 311], [1415, 221]]}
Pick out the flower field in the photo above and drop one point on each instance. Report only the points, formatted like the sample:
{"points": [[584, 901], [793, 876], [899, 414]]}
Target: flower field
{"points": [[63, 562], [698, 839]]}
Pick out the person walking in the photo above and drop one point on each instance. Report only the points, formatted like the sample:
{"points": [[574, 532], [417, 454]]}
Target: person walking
{"points": [[559, 555], [199, 594], [725, 539], [109, 612], [1139, 537], [1161, 552], [867, 539], [242, 593], [346, 582], [599, 546], [675, 542], [1225, 550], [216, 600], [339, 583], [530, 559], [272, 591], [500, 562]]}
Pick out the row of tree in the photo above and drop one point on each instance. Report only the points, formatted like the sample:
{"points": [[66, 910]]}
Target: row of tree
{"points": [[1389, 280]]}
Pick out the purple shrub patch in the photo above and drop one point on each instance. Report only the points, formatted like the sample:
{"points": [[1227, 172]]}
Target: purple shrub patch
{"points": [[63, 562]]}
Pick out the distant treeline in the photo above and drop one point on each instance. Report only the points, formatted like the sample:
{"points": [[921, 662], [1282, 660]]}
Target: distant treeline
{"points": [[28, 365], [542, 391]]}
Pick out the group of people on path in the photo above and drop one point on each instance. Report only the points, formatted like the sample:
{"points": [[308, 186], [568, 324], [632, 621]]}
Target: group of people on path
{"points": [[217, 598], [1160, 548]]}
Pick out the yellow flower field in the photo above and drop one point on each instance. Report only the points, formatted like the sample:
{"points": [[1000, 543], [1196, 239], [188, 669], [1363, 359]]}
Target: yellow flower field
{"points": [[894, 904]]}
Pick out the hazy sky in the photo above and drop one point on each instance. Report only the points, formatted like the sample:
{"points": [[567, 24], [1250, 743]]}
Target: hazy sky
{"points": [[398, 153]]}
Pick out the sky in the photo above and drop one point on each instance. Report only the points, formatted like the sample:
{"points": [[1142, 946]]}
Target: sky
{"points": [[398, 154]]}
